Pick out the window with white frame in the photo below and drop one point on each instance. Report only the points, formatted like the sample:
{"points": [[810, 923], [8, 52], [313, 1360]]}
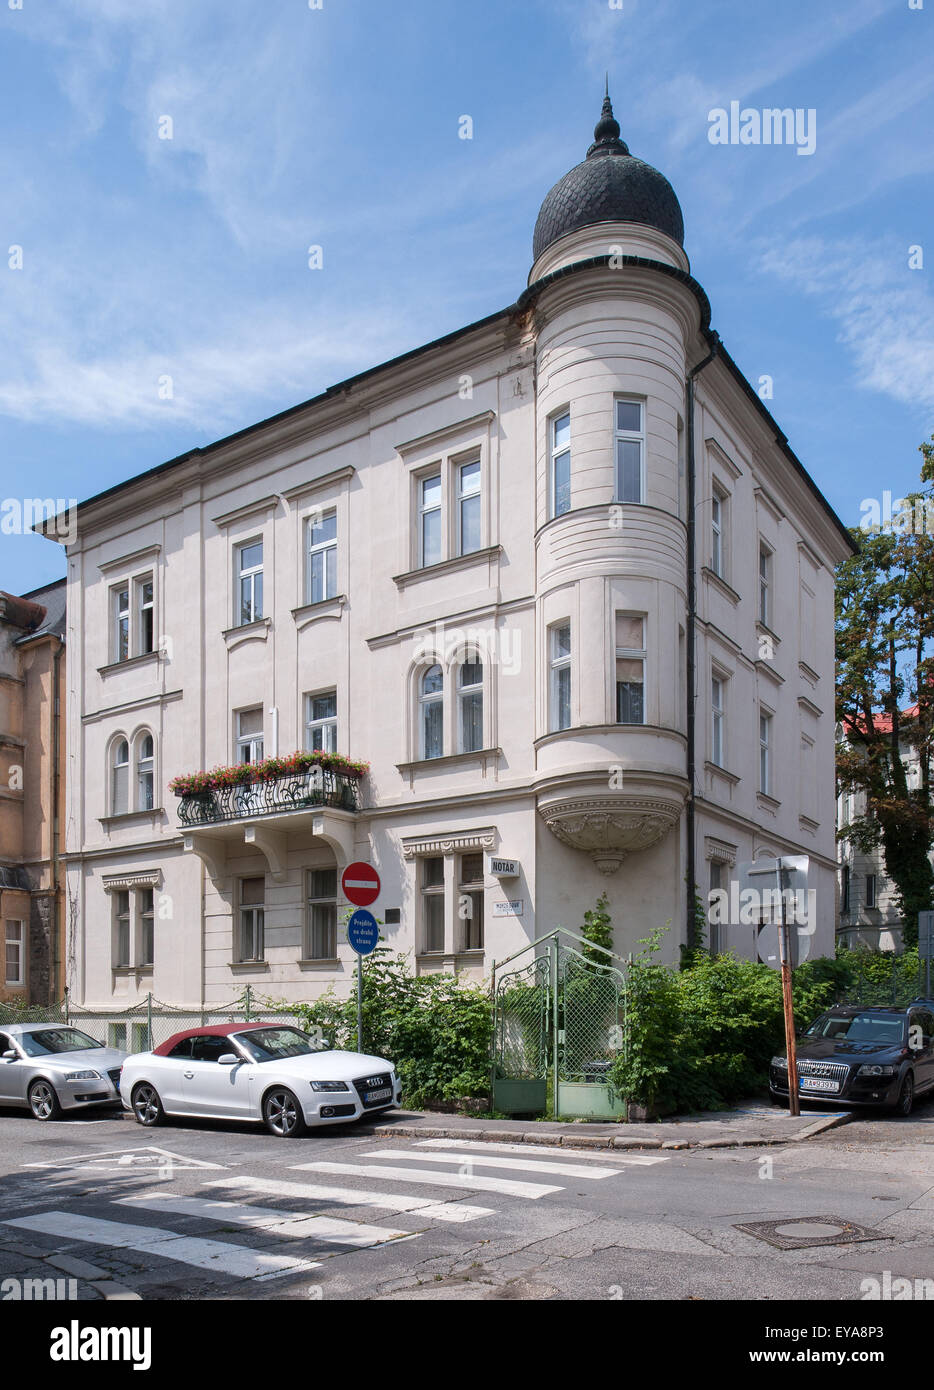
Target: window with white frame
{"points": [[321, 915], [145, 615], [559, 484], [717, 532], [429, 520], [469, 516], [765, 586], [470, 703], [870, 890], [321, 722], [431, 712], [630, 451], [145, 792], [252, 897], [147, 919], [15, 948], [630, 669], [120, 600], [121, 911], [765, 752], [432, 895], [559, 693], [321, 556], [717, 719], [250, 735], [470, 902], [249, 583], [120, 778]]}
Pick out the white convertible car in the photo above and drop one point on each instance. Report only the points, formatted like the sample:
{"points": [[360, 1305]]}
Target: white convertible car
{"points": [[265, 1072]]}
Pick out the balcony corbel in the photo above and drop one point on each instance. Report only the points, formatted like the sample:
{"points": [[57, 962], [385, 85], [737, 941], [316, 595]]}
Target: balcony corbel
{"points": [[271, 843], [211, 851]]}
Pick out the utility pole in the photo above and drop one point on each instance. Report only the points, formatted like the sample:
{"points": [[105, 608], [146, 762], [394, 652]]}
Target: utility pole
{"points": [[791, 1051]]}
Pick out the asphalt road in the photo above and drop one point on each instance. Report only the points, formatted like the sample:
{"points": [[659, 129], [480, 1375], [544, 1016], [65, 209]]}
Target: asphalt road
{"points": [[127, 1213]]}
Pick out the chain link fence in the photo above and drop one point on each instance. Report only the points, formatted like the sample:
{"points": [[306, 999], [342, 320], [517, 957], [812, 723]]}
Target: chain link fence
{"points": [[889, 980], [147, 1024]]}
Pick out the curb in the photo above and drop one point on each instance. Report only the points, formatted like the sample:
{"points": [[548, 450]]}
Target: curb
{"points": [[597, 1141]]}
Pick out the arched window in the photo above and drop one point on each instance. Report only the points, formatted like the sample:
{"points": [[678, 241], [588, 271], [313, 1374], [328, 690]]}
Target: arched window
{"points": [[431, 713], [470, 703], [144, 774], [120, 778]]}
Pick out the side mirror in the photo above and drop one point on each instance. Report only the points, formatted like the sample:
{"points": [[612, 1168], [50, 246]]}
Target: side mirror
{"points": [[228, 1059], [9, 1056]]}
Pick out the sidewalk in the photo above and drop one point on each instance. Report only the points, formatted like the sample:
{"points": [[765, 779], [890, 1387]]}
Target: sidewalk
{"points": [[756, 1125]]}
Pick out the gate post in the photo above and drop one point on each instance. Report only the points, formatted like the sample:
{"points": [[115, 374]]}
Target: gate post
{"points": [[553, 953], [149, 1018]]}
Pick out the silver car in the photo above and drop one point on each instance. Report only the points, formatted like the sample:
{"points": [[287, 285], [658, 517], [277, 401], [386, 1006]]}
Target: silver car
{"points": [[51, 1067]]}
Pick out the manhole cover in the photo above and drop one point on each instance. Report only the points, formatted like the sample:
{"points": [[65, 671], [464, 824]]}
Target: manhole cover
{"points": [[801, 1232]]}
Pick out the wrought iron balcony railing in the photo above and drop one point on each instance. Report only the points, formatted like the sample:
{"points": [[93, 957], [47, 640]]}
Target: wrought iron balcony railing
{"points": [[295, 791]]}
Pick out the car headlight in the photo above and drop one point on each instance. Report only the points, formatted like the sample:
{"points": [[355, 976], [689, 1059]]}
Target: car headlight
{"points": [[329, 1086], [780, 1062], [83, 1076], [876, 1071]]}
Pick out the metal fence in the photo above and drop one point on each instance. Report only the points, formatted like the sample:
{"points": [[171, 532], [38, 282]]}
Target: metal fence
{"points": [[147, 1024], [894, 980]]}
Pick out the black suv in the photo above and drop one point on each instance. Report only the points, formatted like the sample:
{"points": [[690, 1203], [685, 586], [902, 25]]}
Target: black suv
{"points": [[863, 1056]]}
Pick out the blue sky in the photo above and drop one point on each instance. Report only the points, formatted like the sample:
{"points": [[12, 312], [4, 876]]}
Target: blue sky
{"points": [[145, 257]]}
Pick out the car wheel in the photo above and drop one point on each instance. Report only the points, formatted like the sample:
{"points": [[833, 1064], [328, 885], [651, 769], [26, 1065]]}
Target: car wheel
{"points": [[43, 1101], [906, 1096], [283, 1114], [147, 1107]]}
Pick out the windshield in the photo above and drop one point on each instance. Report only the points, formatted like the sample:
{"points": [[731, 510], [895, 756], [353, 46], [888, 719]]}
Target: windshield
{"points": [[869, 1028], [56, 1040], [270, 1044]]}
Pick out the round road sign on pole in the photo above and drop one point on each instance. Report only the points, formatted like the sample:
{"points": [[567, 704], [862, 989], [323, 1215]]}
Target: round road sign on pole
{"points": [[363, 932], [360, 884]]}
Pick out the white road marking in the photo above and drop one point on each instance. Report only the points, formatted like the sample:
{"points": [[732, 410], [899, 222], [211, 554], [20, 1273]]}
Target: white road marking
{"points": [[302, 1224], [219, 1256], [522, 1165], [145, 1156], [477, 1182], [353, 1197], [490, 1145]]}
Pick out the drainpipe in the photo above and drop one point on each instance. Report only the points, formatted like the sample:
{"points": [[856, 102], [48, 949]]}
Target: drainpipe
{"points": [[691, 693]]}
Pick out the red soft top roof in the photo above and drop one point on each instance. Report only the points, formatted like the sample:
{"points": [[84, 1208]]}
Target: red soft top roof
{"points": [[214, 1030]]}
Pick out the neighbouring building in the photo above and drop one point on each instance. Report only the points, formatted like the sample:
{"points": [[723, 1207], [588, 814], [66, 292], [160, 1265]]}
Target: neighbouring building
{"points": [[557, 577], [32, 788]]}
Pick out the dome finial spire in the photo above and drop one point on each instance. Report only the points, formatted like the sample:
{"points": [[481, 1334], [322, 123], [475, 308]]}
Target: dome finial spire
{"points": [[606, 131]]}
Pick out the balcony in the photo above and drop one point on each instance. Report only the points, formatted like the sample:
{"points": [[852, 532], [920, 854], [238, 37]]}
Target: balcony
{"points": [[301, 791]]}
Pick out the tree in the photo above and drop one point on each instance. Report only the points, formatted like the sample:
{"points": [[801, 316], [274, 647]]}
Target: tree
{"points": [[598, 931], [885, 693]]}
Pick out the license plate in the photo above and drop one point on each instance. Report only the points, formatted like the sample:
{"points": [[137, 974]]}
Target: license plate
{"points": [[384, 1094], [817, 1083]]}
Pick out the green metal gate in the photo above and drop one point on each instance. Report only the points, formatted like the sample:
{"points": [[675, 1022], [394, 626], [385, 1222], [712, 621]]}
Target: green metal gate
{"points": [[559, 1023]]}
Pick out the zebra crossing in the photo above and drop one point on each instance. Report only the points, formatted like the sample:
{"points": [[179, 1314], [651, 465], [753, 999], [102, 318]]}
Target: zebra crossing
{"points": [[302, 1229]]}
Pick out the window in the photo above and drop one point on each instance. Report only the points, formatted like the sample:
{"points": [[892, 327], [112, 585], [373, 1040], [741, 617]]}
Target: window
{"points": [[717, 720], [321, 722], [765, 752], [15, 954], [429, 520], [468, 507], [321, 915], [845, 890], [321, 560], [630, 452], [250, 583], [252, 898], [470, 902], [146, 927], [121, 620], [121, 908], [432, 713], [714, 944], [250, 736], [210, 1048], [120, 778], [560, 691], [144, 774], [561, 464], [870, 890], [630, 670], [433, 903], [470, 703], [717, 519], [765, 585], [144, 615]]}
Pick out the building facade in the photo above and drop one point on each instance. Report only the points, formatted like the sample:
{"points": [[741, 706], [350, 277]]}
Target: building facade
{"points": [[32, 788], [556, 577]]}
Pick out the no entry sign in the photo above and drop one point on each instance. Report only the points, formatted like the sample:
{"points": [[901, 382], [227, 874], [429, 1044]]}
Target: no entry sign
{"points": [[360, 884]]}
